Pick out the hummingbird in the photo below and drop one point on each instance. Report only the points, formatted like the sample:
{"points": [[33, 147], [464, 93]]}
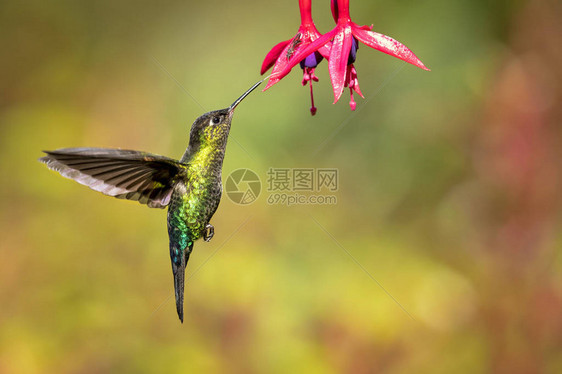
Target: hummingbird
{"points": [[191, 188]]}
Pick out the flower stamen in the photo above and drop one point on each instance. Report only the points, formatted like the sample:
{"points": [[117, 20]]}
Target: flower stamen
{"points": [[309, 77]]}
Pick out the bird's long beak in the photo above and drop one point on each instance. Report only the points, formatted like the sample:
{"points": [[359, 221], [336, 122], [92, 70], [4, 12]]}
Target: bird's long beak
{"points": [[234, 104]]}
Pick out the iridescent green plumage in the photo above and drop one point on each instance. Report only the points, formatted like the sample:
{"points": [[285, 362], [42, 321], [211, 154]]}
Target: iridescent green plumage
{"points": [[196, 198], [191, 187]]}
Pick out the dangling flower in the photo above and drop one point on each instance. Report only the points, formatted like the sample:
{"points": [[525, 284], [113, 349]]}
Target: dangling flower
{"points": [[342, 54], [283, 53], [351, 74]]}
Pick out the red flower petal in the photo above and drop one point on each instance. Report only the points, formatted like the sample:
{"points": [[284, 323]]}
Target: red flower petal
{"points": [[337, 62], [283, 67], [387, 45], [273, 55], [352, 81]]}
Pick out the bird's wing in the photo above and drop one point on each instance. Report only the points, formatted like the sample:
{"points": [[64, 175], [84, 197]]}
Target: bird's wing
{"points": [[133, 175]]}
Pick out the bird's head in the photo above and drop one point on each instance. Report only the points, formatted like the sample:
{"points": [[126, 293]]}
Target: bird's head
{"points": [[212, 128]]}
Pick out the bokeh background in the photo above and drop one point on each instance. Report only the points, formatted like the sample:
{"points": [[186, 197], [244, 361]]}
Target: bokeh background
{"points": [[449, 193]]}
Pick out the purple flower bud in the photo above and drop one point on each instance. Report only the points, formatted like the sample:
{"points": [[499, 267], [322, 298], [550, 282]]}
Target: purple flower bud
{"points": [[353, 52], [312, 60]]}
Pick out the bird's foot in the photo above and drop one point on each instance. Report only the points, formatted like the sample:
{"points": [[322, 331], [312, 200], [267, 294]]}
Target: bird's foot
{"points": [[209, 232]]}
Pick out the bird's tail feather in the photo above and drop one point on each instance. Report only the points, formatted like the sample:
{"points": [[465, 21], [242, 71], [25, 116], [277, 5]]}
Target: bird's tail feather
{"points": [[178, 268]]}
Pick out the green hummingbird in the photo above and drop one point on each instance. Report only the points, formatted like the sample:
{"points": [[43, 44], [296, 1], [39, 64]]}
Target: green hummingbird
{"points": [[191, 188]]}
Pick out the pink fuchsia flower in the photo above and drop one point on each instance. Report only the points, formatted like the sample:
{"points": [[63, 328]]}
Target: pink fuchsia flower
{"points": [[344, 43], [283, 53]]}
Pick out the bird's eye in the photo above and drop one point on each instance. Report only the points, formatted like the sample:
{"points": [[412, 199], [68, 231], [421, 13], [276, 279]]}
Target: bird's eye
{"points": [[216, 120]]}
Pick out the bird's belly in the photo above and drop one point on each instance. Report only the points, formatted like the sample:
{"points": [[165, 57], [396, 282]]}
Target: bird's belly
{"points": [[192, 211]]}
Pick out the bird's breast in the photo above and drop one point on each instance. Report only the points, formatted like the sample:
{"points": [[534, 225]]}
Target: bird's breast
{"points": [[193, 204]]}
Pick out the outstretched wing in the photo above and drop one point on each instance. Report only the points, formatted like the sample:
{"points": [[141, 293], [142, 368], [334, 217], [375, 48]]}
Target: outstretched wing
{"points": [[133, 175]]}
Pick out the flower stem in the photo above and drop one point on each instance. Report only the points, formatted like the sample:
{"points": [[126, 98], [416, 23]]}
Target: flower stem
{"points": [[343, 11], [306, 12]]}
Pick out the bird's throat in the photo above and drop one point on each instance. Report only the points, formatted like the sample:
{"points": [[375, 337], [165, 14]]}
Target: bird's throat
{"points": [[206, 161]]}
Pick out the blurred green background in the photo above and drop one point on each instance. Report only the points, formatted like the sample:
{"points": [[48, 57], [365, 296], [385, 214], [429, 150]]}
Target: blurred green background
{"points": [[449, 192]]}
